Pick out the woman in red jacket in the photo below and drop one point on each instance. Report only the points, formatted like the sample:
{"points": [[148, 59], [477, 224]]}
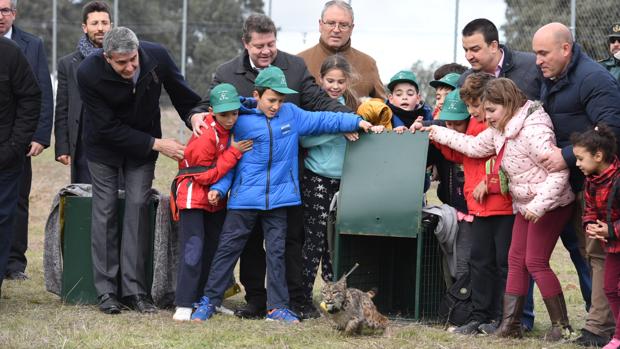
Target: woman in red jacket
{"points": [[207, 158], [595, 151]]}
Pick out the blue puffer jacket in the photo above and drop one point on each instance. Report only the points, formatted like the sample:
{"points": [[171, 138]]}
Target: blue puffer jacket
{"points": [[266, 177], [585, 95]]}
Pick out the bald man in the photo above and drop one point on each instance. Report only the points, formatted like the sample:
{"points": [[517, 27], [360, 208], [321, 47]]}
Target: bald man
{"points": [[578, 93]]}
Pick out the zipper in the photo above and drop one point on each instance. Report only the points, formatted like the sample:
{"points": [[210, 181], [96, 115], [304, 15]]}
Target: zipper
{"points": [[269, 163]]}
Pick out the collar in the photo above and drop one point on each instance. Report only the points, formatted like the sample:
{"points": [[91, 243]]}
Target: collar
{"points": [[246, 65], [332, 51], [572, 64], [9, 34], [498, 69], [606, 175]]}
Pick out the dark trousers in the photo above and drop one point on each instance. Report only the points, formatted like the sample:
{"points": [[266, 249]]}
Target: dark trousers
{"points": [[612, 287], [79, 164], [130, 257], [490, 243], [252, 264], [316, 197], [9, 191], [199, 236], [238, 227], [19, 245]]}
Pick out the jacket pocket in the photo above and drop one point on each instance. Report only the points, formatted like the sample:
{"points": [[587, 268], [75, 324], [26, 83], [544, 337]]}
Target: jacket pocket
{"points": [[238, 187], [295, 190]]}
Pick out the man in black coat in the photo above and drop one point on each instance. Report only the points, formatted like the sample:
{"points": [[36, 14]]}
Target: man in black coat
{"points": [[20, 104], [68, 117], [33, 49], [120, 88], [259, 40]]}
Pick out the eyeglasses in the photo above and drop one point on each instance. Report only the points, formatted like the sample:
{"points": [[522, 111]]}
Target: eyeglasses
{"points": [[6, 11], [614, 39], [343, 26]]}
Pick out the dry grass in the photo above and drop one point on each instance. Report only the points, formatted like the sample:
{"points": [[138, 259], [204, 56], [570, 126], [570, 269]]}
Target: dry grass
{"points": [[32, 318]]}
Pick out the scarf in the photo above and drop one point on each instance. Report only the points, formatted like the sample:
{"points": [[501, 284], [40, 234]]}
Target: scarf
{"points": [[86, 47], [407, 116]]}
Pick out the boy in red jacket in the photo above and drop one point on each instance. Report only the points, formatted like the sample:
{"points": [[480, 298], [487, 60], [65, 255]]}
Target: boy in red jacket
{"points": [[207, 158]]}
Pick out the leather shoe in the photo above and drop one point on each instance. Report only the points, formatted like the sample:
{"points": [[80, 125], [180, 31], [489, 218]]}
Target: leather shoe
{"points": [[250, 311], [108, 303], [141, 303], [589, 339], [16, 275]]}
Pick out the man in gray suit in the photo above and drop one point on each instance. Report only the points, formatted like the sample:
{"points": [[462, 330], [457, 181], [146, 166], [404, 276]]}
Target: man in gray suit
{"points": [[33, 49], [68, 118]]}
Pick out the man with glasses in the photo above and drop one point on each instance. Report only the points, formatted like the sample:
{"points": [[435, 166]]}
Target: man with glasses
{"points": [[336, 26], [33, 49], [612, 63]]}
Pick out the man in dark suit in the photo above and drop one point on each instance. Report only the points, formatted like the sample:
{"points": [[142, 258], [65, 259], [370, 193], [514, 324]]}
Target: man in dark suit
{"points": [[33, 49], [259, 40], [120, 88], [20, 102], [68, 117]]}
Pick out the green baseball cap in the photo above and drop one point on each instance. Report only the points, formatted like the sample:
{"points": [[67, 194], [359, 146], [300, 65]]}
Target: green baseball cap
{"points": [[454, 109], [403, 76], [449, 80], [223, 98], [273, 77]]}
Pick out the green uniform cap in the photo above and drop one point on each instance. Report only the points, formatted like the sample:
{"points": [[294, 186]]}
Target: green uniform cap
{"points": [[449, 80], [223, 98], [454, 109], [403, 76], [614, 30], [273, 77]]}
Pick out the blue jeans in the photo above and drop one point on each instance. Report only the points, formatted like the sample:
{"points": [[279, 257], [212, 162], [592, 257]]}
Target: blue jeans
{"points": [[9, 191], [571, 243]]}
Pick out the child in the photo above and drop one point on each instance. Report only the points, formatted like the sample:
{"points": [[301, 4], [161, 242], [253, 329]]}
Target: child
{"points": [[321, 180], [442, 87], [520, 132], [263, 184], [405, 101], [491, 227], [595, 151], [206, 160]]}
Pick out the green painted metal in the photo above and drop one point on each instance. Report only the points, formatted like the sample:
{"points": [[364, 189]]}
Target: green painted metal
{"points": [[382, 187], [77, 276]]}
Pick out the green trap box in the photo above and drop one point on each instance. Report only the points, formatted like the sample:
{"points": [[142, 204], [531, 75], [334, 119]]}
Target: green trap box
{"points": [[77, 275], [380, 225]]}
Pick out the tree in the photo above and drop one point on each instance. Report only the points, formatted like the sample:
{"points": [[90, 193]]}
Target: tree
{"points": [[593, 18]]}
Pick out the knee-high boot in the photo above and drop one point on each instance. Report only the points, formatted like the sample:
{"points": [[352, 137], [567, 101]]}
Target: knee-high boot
{"points": [[560, 326], [511, 318]]}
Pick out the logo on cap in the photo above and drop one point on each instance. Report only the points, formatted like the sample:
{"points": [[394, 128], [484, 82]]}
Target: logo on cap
{"points": [[616, 28], [453, 105], [223, 96]]}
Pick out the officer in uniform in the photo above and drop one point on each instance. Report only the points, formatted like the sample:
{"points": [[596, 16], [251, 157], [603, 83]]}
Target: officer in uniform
{"points": [[612, 63]]}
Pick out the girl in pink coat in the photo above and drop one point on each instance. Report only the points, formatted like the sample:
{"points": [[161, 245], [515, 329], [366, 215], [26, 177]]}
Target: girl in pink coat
{"points": [[520, 133]]}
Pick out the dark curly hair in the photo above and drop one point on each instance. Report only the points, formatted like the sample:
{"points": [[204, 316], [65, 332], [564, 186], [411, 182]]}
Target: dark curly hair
{"points": [[600, 138]]}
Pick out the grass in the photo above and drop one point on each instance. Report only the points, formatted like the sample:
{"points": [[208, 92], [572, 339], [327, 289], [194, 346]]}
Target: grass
{"points": [[30, 317]]}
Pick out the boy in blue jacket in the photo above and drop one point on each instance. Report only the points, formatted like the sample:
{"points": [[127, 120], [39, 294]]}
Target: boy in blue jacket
{"points": [[264, 183]]}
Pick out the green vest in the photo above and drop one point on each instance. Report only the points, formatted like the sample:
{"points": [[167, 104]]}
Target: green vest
{"points": [[613, 66]]}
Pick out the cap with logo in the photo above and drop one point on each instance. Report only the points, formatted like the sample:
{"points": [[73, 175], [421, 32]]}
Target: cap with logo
{"points": [[403, 76], [614, 30], [449, 80], [273, 77], [223, 98], [454, 109]]}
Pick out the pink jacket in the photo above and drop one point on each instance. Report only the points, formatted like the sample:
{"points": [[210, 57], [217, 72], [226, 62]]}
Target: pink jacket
{"points": [[528, 135]]}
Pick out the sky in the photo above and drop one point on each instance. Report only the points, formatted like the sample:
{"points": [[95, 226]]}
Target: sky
{"points": [[396, 33]]}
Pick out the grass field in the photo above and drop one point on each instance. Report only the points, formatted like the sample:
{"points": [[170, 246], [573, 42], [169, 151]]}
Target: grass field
{"points": [[30, 317]]}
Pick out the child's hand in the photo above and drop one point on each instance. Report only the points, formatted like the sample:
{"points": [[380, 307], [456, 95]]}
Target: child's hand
{"points": [[213, 196], [400, 129], [417, 125], [377, 129], [431, 131], [598, 230], [352, 136], [529, 216], [242, 146], [365, 125], [480, 191]]}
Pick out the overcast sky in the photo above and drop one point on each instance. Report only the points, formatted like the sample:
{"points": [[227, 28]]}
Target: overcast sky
{"points": [[396, 33]]}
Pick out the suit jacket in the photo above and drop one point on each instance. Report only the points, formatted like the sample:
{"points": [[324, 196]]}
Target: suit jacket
{"points": [[122, 120], [20, 103], [33, 49], [68, 116], [240, 74]]}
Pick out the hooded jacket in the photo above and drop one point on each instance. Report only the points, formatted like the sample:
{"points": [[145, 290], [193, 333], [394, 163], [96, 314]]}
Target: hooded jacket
{"points": [[267, 176], [527, 136]]}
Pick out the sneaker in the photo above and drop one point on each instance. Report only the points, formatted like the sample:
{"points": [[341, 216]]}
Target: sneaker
{"points": [[489, 328], [282, 314], [468, 329], [204, 310], [182, 314], [223, 310], [613, 344], [589, 339]]}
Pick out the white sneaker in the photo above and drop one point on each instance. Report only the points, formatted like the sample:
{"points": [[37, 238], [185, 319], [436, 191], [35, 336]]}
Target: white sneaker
{"points": [[223, 310], [182, 314]]}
